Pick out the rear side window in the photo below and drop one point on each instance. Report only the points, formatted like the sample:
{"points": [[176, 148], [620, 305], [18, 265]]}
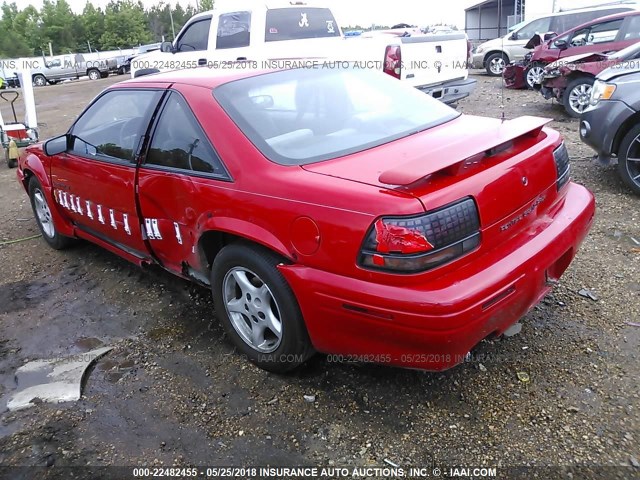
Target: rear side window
{"points": [[234, 30], [195, 37], [180, 143], [300, 23], [632, 30]]}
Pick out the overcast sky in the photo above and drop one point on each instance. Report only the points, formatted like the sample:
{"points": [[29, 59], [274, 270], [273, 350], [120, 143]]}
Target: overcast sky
{"points": [[348, 12], [366, 12]]}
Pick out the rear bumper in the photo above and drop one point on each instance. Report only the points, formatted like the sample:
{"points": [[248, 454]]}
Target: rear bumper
{"points": [[433, 326], [600, 125], [450, 92]]}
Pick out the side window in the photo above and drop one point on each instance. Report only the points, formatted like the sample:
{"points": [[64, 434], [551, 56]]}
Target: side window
{"points": [[605, 32], [595, 34], [195, 37], [537, 26], [632, 30], [54, 63], [179, 141], [234, 30], [114, 124]]}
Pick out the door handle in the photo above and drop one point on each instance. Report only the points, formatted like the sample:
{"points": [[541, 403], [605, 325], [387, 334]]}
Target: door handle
{"points": [[240, 59], [202, 61]]}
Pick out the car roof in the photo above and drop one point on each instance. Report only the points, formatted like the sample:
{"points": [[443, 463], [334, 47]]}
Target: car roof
{"points": [[201, 76]]}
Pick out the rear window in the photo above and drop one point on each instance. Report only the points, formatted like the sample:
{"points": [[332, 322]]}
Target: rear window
{"points": [[303, 116], [300, 23]]}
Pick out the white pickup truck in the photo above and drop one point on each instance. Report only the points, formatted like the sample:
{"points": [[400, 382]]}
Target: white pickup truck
{"points": [[275, 34]]}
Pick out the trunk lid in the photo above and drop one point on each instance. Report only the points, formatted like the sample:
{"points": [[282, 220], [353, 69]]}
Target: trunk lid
{"points": [[505, 166]]}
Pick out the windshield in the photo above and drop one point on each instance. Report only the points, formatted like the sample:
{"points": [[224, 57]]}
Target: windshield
{"points": [[302, 116]]}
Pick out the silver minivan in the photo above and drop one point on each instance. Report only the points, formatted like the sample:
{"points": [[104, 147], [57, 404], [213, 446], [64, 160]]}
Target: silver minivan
{"points": [[495, 54]]}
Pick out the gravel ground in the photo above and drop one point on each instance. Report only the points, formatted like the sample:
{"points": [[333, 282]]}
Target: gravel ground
{"points": [[173, 392]]}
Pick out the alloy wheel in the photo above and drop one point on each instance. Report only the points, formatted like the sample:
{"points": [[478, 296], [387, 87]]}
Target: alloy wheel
{"points": [[497, 65], [534, 75], [633, 161], [44, 213], [252, 309], [579, 97]]}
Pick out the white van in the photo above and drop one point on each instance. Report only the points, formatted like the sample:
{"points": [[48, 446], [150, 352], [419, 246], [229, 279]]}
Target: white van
{"points": [[495, 54]]}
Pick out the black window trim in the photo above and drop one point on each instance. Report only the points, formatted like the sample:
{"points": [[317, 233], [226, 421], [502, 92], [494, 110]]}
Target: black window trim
{"points": [[225, 176], [106, 158], [184, 29]]}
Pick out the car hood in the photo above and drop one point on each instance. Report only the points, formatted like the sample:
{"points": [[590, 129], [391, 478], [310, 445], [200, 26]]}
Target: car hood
{"points": [[617, 71], [495, 43], [583, 58]]}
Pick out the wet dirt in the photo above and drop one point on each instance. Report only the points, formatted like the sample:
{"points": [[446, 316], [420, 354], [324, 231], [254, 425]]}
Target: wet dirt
{"points": [[173, 391]]}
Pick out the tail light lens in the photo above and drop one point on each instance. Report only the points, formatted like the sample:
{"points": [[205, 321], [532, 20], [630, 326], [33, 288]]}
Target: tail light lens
{"points": [[418, 243], [563, 166], [393, 61]]}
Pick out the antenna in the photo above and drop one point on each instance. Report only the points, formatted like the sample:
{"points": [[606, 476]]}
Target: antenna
{"points": [[505, 66]]}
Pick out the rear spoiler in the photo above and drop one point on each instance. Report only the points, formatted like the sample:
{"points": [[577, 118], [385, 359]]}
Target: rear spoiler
{"points": [[457, 152]]}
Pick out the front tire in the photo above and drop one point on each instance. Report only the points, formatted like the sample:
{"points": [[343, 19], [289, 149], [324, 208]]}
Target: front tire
{"points": [[495, 63], [258, 309], [629, 159], [44, 219], [533, 74], [576, 96], [10, 163]]}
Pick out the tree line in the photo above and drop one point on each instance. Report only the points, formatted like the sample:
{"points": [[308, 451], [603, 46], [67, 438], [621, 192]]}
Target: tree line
{"points": [[122, 24]]}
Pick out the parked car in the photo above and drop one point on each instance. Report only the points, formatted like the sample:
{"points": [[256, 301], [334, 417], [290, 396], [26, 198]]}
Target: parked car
{"points": [[142, 49], [11, 81], [332, 210], [496, 54], [604, 35], [68, 67], [571, 80], [611, 125], [270, 37]]}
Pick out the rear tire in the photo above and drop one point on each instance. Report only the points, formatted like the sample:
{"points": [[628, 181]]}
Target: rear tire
{"points": [[94, 74], [39, 80], [258, 309], [44, 219], [495, 63], [575, 97], [629, 159]]}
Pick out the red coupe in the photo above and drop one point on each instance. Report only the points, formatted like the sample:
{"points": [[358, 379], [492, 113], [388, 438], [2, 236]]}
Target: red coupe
{"points": [[330, 210]]}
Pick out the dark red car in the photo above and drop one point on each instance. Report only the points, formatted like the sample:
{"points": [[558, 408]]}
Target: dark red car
{"points": [[603, 35], [571, 81], [329, 210]]}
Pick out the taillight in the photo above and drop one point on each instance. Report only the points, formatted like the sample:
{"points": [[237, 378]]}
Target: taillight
{"points": [[563, 166], [422, 242], [469, 52], [393, 61]]}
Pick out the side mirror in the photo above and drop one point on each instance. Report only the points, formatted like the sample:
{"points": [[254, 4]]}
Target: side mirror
{"points": [[561, 44], [56, 145], [514, 36], [166, 47]]}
